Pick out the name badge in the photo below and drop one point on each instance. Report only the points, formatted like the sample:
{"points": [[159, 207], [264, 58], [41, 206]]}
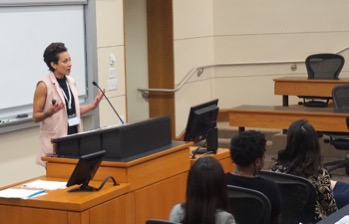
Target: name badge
{"points": [[73, 120]]}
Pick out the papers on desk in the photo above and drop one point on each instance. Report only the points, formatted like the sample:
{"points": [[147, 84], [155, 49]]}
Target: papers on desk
{"points": [[20, 193], [32, 189], [44, 184], [344, 220]]}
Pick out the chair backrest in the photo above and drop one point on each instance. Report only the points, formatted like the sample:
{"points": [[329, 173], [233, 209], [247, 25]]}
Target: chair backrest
{"points": [[298, 197], [249, 206], [340, 95], [324, 66], [159, 221]]}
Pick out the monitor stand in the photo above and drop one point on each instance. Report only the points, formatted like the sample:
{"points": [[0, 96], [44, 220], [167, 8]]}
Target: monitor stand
{"points": [[211, 144], [201, 150], [83, 188]]}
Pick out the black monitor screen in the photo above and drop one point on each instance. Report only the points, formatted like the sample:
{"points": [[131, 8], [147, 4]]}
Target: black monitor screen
{"points": [[85, 170], [201, 126]]}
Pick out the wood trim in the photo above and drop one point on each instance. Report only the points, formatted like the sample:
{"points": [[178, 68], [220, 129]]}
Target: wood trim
{"points": [[301, 86], [161, 58], [277, 117], [223, 115]]}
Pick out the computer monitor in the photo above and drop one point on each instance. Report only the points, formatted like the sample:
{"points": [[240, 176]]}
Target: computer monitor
{"points": [[85, 170], [202, 127]]}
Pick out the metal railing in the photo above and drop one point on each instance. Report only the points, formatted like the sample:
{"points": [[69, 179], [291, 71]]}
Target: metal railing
{"points": [[199, 70]]}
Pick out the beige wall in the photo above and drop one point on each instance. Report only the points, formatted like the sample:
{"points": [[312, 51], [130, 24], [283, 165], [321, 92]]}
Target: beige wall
{"points": [[110, 40], [272, 31], [137, 58], [248, 32], [205, 33], [193, 46], [17, 156], [18, 149]]}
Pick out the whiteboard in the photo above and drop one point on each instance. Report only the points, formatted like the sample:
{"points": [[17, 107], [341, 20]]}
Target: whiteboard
{"points": [[25, 33]]}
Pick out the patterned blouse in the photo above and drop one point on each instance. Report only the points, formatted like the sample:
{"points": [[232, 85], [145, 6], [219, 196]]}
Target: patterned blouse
{"points": [[325, 203]]}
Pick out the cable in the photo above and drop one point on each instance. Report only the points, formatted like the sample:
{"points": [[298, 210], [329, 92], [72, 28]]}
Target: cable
{"points": [[105, 180]]}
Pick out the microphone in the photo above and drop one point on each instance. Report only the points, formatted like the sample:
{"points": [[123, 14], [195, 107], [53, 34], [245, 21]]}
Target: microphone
{"points": [[95, 84]]}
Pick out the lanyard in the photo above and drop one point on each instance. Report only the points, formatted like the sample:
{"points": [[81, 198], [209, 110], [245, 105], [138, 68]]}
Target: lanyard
{"points": [[69, 100]]}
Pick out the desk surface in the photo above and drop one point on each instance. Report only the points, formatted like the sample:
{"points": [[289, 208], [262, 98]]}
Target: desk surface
{"points": [[150, 178], [302, 79], [139, 172], [222, 155], [302, 86], [279, 117], [290, 110], [62, 200], [334, 217], [112, 204]]}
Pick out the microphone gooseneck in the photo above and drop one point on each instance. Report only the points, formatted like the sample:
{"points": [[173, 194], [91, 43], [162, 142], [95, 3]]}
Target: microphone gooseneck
{"points": [[111, 105]]}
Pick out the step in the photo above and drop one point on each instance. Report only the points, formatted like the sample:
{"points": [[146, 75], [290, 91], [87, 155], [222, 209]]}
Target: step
{"points": [[226, 131]]}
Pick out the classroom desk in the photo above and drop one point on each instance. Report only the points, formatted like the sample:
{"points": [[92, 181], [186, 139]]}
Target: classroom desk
{"points": [[336, 216], [151, 185], [157, 181], [222, 155], [112, 204], [278, 117], [302, 86]]}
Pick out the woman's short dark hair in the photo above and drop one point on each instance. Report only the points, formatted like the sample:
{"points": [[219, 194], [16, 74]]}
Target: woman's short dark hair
{"points": [[206, 192], [51, 54], [302, 154], [246, 147]]}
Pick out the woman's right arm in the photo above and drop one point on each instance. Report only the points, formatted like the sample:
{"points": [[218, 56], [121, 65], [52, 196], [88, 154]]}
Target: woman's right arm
{"points": [[39, 114], [39, 103]]}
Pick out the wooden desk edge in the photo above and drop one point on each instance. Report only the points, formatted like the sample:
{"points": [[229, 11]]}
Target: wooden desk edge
{"points": [[124, 164], [86, 201], [305, 79]]}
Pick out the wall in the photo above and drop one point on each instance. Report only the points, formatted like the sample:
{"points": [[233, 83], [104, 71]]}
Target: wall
{"points": [[193, 46], [248, 32], [205, 33], [271, 31], [137, 58], [110, 40], [17, 156], [18, 149]]}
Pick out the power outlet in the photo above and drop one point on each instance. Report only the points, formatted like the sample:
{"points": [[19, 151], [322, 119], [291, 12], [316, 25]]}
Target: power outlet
{"points": [[111, 73], [112, 84]]}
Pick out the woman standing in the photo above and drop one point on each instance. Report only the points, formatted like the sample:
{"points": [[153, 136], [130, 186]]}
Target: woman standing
{"points": [[56, 102]]}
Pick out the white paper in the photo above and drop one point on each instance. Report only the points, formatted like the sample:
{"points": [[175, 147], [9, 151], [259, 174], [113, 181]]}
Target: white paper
{"points": [[20, 193], [44, 184], [344, 220]]}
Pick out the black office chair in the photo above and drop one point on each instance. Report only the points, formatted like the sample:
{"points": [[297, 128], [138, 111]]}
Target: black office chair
{"points": [[340, 140], [159, 221], [249, 206], [298, 197], [322, 66]]}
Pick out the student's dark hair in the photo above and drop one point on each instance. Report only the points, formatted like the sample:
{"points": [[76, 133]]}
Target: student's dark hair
{"points": [[51, 53], [302, 154], [206, 192], [246, 147]]}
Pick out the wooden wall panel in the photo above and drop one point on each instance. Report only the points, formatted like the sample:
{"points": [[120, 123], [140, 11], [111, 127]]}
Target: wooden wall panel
{"points": [[161, 58]]}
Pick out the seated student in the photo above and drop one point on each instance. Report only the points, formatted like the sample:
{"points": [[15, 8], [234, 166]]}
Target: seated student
{"points": [[206, 195], [247, 152], [302, 157]]}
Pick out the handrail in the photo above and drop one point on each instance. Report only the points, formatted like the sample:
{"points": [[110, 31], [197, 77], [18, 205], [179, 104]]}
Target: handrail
{"points": [[199, 70]]}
